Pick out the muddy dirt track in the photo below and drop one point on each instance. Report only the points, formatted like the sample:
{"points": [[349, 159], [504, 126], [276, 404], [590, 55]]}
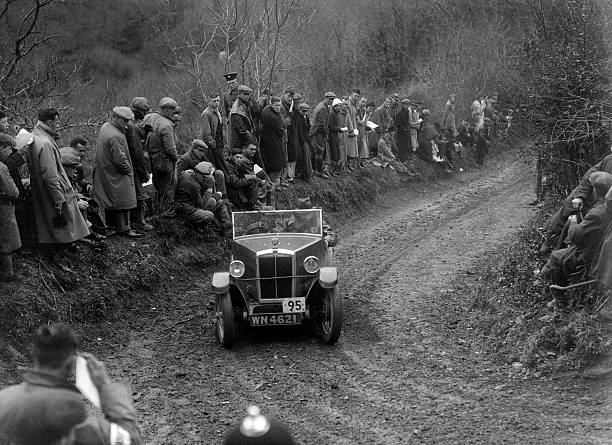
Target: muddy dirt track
{"points": [[403, 371]]}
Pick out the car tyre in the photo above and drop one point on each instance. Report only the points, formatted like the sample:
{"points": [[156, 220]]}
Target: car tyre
{"points": [[224, 320], [329, 322]]}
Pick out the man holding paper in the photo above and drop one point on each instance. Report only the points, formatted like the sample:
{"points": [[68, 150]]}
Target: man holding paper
{"points": [[48, 409]]}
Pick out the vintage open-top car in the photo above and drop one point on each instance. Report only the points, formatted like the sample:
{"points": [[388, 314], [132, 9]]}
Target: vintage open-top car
{"points": [[281, 273]]}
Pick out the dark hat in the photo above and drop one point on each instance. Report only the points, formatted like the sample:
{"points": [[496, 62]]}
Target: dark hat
{"points": [[229, 77], [235, 150], [255, 429], [330, 94], [244, 89], [167, 102], [124, 112], [304, 203], [199, 143], [140, 103]]}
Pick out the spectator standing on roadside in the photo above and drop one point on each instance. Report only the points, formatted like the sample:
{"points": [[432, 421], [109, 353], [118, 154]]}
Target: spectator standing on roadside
{"points": [[58, 220], [272, 133], [47, 408], [478, 107], [352, 143], [10, 239], [402, 124], [113, 175], [336, 129], [290, 116], [161, 147], [241, 127], [319, 134], [214, 133], [346, 135], [10, 154], [363, 116], [415, 125], [135, 136], [304, 165], [449, 120], [230, 96]]}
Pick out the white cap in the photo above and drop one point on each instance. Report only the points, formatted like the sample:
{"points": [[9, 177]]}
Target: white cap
{"points": [[23, 139], [336, 102]]}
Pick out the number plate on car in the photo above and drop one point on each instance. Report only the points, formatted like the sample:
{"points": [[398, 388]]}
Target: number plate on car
{"points": [[291, 305], [275, 319]]}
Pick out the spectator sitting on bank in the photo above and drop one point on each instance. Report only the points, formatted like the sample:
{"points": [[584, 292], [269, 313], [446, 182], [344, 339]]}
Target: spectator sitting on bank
{"points": [[72, 161], [585, 237], [602, 265], [256, 429], [11, 152], [430, 141], [48, 409], [197, 202], [242, 184], [200, 152]]}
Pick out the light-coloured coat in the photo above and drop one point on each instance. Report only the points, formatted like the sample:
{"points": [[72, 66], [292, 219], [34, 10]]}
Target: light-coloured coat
{"points": [[9, 231], [113, 176], [51, 190]]}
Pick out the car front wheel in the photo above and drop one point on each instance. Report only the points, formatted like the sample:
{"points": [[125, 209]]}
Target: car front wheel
{"points": [[224, 320], [330, 317]]}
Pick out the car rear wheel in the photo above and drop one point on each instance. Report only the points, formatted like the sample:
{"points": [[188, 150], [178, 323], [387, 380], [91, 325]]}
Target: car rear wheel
{"points": [[329, 320], [224, 320]]}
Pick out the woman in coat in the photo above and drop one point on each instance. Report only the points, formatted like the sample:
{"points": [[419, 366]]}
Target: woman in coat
{"points": [[335, 125], [272, 131]]}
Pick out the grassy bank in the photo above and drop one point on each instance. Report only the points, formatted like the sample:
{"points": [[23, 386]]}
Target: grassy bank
{"points": [[520, 319]]}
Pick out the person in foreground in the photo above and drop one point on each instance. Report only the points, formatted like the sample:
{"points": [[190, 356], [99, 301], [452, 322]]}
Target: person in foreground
{"points": [[46, 408], [256, 429]]}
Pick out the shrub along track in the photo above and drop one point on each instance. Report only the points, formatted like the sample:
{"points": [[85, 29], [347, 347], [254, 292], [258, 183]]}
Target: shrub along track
{"points": [[402, 372]]}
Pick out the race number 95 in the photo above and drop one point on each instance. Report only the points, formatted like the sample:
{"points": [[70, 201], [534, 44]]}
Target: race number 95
{"points": [[291, 305]]}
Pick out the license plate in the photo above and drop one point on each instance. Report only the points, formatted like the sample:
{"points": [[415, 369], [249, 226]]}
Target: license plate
{"points": [[275, 319], [291, 305]]}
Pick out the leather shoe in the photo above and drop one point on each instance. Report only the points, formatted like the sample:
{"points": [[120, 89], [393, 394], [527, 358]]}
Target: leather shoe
{"points": [[130, 234]]}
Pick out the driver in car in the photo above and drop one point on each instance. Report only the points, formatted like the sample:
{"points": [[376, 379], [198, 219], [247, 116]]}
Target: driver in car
{"points": [[306, 223]]}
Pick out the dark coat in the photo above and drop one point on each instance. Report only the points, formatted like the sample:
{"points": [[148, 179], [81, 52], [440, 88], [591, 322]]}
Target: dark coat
{"points": [[585, 188], [335, 122], [427, 133], [51, 189], [188, 196], [242, 192], [134, 137], [161, 142], [272, 129], [602, 265], [588, 235], [241, 126], [190, 160], [44, 409], [9, 232], [293, 141], [113, 176], [404, 144]]}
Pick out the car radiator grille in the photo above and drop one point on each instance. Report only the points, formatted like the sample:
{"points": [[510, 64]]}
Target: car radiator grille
{"points": [[276, 276]]}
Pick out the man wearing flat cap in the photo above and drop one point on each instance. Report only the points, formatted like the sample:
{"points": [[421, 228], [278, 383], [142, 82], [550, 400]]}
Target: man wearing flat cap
{"points": [[242, 128], [242, 184], [319, 134], [583, 237], [199, 152], [113, 174], [135, 136], [214, 133], [161, 147]]}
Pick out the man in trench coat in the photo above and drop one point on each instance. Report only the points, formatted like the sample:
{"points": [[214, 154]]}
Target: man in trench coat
{"points": [[113, 175], [59, 221]]}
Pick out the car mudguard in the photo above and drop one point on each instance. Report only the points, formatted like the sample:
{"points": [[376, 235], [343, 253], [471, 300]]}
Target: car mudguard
{"points": [[328, 277], [220, 282]]}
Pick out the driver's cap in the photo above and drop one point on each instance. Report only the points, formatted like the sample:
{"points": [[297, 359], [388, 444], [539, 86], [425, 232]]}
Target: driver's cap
{"points": [[304, 203]]}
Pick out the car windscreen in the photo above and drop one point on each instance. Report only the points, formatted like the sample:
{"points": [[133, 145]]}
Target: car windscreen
{"points": [[308, 221]]}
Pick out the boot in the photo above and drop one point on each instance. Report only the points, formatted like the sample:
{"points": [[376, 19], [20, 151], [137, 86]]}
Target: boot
{"points": [[6, 267], [138, 220]]}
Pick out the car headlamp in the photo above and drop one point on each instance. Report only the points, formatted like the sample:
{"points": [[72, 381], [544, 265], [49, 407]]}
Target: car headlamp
{"points": [[311, 264], [236, 269]]}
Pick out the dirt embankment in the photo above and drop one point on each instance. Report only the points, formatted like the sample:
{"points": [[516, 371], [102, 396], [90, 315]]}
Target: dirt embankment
{"points": [[406, 370]]}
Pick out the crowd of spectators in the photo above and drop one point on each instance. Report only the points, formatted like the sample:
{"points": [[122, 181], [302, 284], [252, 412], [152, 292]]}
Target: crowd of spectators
{"points": [[248, 149]]}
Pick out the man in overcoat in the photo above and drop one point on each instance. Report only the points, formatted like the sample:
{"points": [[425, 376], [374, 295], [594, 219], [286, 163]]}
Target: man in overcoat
{"points": [[402, 124], [9, 232], [584, 237], [113, 174], [241, 121], [59, 221], [272, 132], [319, 134], [46, 408], [214, 133]]}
